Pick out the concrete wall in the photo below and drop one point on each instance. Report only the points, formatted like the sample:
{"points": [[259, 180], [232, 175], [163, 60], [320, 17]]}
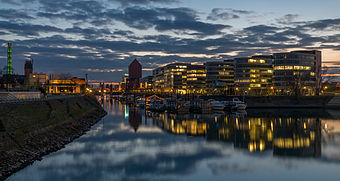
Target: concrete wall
{"points": [[20, 95], [29, 130]]}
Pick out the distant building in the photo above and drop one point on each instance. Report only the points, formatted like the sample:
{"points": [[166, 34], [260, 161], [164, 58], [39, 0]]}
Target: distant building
{"points": [[220, 76], [123, 85], [180, 78], [254, 75], [135, 74], [146, 83], [8, 81], [71, 86], [28, 68], [36, 79], [297, 72]]}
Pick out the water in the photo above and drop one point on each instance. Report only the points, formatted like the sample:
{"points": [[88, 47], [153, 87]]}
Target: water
{"points": [[129, 144]]}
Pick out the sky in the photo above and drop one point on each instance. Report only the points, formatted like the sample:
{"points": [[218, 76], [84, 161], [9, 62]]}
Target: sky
{"points": [[102, 37]]}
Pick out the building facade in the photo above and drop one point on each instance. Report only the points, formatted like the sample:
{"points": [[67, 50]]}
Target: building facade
{"points": [[28, 68], [135, 74], [297, 73], [36, 79], [179, 78], [146, 83], [71, 86], [254, 75], [220, 77]]}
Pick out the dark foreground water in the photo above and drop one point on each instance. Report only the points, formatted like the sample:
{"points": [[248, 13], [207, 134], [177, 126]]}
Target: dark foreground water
{"points": [[129, 144]]}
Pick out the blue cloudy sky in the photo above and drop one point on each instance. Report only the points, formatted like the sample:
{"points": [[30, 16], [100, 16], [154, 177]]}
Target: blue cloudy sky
{"points": [[101, 37]]}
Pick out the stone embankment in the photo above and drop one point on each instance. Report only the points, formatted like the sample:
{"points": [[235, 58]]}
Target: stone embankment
{"points": [[31, 130], [288, 101]]}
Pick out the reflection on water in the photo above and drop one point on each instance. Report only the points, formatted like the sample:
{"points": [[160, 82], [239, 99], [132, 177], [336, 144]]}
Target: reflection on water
{"points": [[131, 144], [289, 136]]}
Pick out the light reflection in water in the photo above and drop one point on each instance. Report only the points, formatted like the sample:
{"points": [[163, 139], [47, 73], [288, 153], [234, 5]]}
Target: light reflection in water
{"points": [[289, 136], [252, 145]]}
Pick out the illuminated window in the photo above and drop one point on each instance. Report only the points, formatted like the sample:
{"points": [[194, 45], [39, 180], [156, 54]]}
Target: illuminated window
{"points": [[255, 85], [279, 68], [256, 61]]}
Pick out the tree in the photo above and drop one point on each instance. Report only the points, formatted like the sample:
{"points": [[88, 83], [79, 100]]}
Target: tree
{"points": [[60, 76]]}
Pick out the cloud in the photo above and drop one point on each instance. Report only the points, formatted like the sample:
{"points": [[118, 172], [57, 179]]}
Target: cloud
{"points": [[13, 14], [16, 2], [137, 17], [9, 2], [226, 14], [332, 24], [287, 19], [165, 19], [130, 2], [88, 33], [27, 29]]}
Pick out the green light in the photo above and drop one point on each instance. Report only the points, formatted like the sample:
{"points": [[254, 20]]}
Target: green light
{"points": [[9, 59]]}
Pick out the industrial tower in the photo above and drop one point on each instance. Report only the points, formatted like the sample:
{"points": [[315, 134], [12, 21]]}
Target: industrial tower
{"points": [[9, 59]]}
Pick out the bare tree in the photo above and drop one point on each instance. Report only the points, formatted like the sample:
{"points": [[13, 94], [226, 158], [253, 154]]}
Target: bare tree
{"points": [[60, 76]]}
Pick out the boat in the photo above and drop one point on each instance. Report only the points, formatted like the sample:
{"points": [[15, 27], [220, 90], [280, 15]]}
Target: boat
{"points": [[239, 105], [140, 103], [216, 105], [183, 109]]}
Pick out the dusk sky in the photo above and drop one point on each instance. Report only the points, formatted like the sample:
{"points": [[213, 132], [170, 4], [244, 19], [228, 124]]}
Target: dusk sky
{"points": [[102, 37]]}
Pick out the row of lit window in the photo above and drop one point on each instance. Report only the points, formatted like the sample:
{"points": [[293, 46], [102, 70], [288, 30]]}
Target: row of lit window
{"points": [[292, 68], [178, 70], [195, 71], [256, 61], [292, 143], [253, 80], [197, 75]]}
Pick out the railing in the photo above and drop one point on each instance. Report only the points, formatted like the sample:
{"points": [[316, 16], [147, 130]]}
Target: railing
{"points": [[38, 99], [18, 90]]}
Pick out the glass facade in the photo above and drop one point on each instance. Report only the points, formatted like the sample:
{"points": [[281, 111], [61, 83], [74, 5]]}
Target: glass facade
{"points": [[180, 78], [220, 77], [297, 73], [254, 75]]}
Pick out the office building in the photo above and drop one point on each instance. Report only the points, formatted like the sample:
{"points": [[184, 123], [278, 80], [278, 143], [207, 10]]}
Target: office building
{"points": [[254, 75], [297, 73], [180, 78], [220, 77]]}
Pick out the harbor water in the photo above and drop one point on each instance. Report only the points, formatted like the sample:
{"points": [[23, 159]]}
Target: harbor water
{"points": [[257, 144]]}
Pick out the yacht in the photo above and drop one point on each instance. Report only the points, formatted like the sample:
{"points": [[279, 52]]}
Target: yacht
{"points": [[216, 105], [239, 105]]}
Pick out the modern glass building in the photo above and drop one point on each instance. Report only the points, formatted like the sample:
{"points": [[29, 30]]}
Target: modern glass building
{"points": [[254, 75], [297, 73], [180, 78], [220, 77]]}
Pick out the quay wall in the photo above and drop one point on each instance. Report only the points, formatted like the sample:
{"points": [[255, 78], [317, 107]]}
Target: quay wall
{"points": [[286, 101], [30, 130]]}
